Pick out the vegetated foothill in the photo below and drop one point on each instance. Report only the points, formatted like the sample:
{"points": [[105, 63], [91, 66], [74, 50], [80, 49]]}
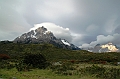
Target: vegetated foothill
{"points": [[24, 57], [52, 53]]}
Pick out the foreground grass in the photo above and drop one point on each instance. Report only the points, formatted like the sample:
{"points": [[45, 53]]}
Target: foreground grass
{"points": [[37, 74], [51, 74]]}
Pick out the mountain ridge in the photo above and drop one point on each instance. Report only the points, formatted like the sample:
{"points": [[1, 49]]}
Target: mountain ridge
{"points": [[42, 35]]}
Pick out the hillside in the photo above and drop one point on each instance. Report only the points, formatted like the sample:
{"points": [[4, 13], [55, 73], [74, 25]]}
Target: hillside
{"points": [[52, 53]]}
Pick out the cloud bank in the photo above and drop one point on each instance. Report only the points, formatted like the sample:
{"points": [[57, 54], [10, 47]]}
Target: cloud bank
{"points": [[102, 39], [89, 22]]}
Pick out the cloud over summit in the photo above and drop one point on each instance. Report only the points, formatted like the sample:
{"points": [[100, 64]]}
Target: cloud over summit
{"points": [[58, 31]]}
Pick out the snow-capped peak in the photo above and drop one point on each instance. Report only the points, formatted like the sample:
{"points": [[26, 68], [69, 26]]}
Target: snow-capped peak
{"points": [[110, 46], [58, 31], [39, 35], [65, 42]]}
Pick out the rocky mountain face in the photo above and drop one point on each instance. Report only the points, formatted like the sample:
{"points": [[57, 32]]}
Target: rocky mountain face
{"points": [[42, 35], [109, 47]]}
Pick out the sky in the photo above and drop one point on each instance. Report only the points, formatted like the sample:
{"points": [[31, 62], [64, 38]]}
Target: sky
{"points": [[84, 23]]}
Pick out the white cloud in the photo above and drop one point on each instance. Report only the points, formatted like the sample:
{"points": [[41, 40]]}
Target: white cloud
{"points": [[60, 32], [85, 46], [101, 39]]}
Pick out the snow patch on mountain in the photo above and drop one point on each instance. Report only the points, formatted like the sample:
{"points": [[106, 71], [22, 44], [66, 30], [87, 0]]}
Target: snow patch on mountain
{"points": [[47, 32], [65, 42], [35, 32], [33, 36]]}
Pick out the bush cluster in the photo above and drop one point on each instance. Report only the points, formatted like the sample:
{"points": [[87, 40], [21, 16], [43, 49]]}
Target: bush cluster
{"points": [[6, 65], [94, 70], [65, 68], [4, 62], [35, 60], [101, 72], [32, 61], [22, 66], [4, 57]]}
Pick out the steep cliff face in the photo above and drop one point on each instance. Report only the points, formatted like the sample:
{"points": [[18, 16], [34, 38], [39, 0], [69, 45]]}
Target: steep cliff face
{"points": [[42, 35], [109, 47]]}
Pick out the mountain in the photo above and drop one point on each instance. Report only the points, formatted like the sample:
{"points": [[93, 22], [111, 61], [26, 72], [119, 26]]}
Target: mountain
{"points": [[109, 47], [42, 35]]}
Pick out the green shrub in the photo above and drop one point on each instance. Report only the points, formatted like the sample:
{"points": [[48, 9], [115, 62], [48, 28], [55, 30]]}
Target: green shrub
{"points": [[35, 60], [94, 70], [101, 72], [65, 68], [4, 64], [22, 66]]}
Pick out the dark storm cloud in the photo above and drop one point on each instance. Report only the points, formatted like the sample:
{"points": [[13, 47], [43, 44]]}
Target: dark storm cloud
{"points": [[88, 20]]}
